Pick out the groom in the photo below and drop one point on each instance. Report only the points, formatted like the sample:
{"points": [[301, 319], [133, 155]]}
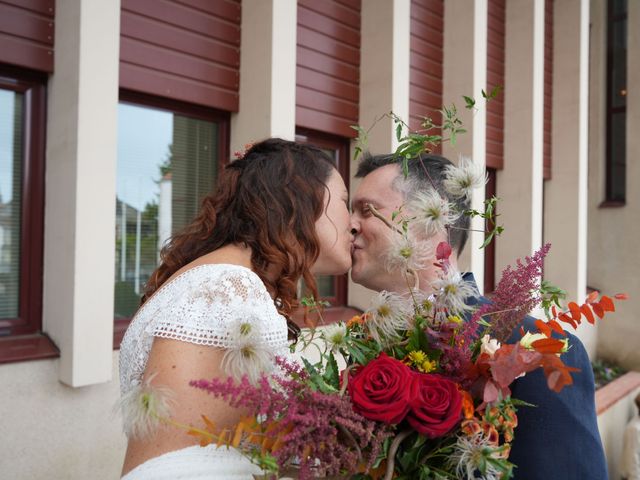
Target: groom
{"points": [[556, 440]]}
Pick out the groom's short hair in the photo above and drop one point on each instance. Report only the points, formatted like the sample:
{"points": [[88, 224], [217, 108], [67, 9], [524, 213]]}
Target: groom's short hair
{"points": [[417, 180]]}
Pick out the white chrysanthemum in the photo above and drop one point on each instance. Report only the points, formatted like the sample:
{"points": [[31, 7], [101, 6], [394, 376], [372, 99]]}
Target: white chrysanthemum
{"points": [[335, 334], [469, 458], [407, 253], [461, 180], [452, 291], [388, 315], [489, 345], [144, 407], [247, 353], [432, 212]]}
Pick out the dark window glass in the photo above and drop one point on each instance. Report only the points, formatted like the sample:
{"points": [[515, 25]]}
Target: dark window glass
{"points": [[616, 102]]}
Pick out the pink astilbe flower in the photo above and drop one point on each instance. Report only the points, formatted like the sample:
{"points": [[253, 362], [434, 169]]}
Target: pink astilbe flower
{"points": [[515, 296], [320, 430]]}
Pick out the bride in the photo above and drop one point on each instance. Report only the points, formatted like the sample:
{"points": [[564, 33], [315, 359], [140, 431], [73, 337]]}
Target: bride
{"points": [[279, 215]]}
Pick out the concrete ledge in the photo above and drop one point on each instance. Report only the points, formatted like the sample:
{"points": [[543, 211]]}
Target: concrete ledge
{"points": [[611, 393]]}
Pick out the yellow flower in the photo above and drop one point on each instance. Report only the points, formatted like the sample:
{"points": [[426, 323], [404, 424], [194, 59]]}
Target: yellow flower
{"points": [[454, 319], [417, 357], [427, 366], [420, 360]]}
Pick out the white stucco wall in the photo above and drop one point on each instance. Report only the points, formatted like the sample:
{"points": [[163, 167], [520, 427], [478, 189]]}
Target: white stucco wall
{"points": [[53, 431], [613, 257]]}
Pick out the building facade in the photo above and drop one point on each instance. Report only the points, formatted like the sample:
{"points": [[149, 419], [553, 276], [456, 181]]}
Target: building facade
{"points": [[117, 116]]}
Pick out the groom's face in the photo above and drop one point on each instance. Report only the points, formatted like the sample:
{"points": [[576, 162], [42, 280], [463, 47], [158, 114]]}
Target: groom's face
{"points": [[372, 238]]}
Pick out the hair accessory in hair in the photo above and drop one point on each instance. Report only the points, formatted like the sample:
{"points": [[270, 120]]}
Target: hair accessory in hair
{"points": [[240, 154]]}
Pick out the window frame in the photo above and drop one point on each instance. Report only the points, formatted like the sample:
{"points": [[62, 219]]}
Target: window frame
{"points": [[21, 338], [184, 109], [339, 309], [609, 200]]}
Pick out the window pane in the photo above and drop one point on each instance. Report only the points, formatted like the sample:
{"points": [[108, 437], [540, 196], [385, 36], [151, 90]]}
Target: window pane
{"points": [[10, 200], [618, 87], [166, 164], [617, 152], [326, 283]]}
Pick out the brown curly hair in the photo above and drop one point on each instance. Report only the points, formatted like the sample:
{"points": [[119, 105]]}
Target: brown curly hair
{"points": [[269, 201]]}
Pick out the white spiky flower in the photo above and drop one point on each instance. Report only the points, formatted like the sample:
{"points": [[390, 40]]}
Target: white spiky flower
{"points": [[247, 353], [461, 180], [144, 407], [452, 291], [335, 334], [388, 315], [471, 456], [432, 212], [407, 253]]}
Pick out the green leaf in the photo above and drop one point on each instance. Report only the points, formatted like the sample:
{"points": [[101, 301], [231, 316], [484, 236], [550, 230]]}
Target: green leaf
{"points": [[398, 131], [332, 374], [470, 102]]}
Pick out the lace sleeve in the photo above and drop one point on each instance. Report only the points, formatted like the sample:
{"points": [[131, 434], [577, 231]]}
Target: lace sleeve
{"points": [[201, 306], [208, 307]]}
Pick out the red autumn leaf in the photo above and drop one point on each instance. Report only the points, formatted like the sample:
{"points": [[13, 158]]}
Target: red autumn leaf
{"points": [[593, 296], [586, 311], [557, 373], [543, 327], [607, 304], [557, 328], [575, 311], [548, 345], [510, 361], [621, 296], [443, 251], [563, 317], [598, 309]]}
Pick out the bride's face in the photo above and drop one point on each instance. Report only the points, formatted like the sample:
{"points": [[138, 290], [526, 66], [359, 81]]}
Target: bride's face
{"points": [[333, 230]]}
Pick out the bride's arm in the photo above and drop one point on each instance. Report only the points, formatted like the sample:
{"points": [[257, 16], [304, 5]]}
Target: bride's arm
{"points": [[174, 364]]}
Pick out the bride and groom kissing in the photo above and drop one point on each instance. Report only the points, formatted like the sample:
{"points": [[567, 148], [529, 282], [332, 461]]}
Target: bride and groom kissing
{"points": [[280, 214]]}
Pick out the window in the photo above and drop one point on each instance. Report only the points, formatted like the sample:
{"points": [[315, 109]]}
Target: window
{"points": [[332, 289], [22, 127], [169, 156], [616, 103]]}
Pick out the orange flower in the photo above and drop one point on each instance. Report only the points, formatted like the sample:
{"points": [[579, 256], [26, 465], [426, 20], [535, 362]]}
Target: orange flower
{"points": [[357, 320], [467, 404]]}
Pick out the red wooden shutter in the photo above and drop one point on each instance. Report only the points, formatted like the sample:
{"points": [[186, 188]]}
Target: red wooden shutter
{"points": [[26, 33], [328, 65], [548, 84], [427, 37], [495, 76], [186, 50]]}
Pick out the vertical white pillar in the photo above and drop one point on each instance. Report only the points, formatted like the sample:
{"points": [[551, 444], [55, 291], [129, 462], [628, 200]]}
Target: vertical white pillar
{"points": [[384, 85], [384, 69], [267, 73], [521, 181], [79, 251], [565, 205], [465, 73]]}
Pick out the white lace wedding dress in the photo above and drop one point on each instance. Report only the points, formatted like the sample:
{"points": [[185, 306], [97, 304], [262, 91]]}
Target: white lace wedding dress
{"points": [[197, 307]]}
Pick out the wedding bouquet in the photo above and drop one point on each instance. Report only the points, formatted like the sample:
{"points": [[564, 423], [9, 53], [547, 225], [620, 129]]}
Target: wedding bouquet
{"points": [[424, 392]]}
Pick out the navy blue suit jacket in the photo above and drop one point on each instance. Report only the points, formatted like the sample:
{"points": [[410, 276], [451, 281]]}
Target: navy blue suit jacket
{"points": [[558, 439]]}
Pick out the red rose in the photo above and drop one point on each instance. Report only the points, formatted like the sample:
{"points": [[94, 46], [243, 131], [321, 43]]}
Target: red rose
{"points": [[381, 390], [436, 405]]}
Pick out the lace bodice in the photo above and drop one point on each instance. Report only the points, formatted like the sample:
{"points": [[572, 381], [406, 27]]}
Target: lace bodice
{"points": [[198, 306]]}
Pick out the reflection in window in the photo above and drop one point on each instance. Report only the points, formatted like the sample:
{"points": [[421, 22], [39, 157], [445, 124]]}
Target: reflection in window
{"points": [[11, 137], [617, 101], [166, 164]]}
